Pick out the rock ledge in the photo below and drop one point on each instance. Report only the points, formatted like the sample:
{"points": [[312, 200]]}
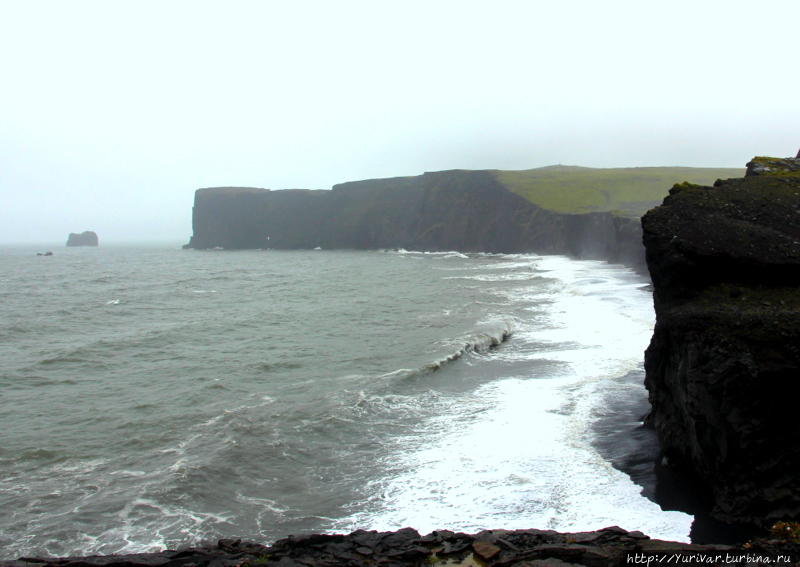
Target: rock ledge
{"points": [[611, 546]]}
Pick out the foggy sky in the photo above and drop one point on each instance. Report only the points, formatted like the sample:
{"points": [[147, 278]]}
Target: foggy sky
{"points": [[113, 113]]}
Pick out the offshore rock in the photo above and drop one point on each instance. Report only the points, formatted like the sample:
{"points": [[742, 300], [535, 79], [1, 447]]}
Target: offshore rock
{"points": [[723, 364], [608, 547], [469, 211], [86, 238]]}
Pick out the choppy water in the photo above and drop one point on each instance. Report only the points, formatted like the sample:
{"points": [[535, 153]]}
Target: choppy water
{"points": [[154, 397]]}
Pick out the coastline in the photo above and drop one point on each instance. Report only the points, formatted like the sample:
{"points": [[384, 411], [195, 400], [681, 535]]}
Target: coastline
{"points": [[609, 546]]}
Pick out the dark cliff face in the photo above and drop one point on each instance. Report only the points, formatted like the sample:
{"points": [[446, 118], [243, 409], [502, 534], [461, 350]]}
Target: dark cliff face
{"points": [[725, 354], [86, 238], [449, 210]]}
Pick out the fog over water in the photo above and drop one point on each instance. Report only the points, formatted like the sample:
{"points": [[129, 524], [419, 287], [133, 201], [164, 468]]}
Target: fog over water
{"points": [[113, 113]]}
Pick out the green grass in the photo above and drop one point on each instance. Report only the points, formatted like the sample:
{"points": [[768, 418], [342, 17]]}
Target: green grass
{"points": [[628, 192]]}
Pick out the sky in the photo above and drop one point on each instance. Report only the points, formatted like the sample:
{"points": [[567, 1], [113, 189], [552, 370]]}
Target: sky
{"points": [[113, 112]]}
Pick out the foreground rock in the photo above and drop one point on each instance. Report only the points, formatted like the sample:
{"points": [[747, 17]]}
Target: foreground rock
{"points": [[724, 360], [86, 238], [495, 548]]}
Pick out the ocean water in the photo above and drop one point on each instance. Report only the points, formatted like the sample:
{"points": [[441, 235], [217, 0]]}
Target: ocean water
{"points": [[152, 397]]}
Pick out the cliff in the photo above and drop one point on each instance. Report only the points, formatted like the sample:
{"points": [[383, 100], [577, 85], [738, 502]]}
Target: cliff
{"points": [[449, 210], [581, 211], [86, 238], [725, 354]]}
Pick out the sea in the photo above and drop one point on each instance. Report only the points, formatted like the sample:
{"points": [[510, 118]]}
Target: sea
{"points": [[154, 398]]}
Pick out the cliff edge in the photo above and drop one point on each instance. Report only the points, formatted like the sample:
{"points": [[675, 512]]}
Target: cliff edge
{"points": [[725, 353]]}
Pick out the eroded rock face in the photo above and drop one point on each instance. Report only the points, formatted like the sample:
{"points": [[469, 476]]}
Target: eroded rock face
{"points": [[86, 238], [448, 210], [724, 361]]}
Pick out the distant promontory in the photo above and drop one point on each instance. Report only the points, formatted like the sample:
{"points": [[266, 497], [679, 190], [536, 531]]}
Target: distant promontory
{"points": [[86, 238], [580, 212]]}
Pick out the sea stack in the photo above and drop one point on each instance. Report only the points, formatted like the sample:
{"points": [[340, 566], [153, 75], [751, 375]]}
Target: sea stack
{"points": [[724, 360], [86, 238]]}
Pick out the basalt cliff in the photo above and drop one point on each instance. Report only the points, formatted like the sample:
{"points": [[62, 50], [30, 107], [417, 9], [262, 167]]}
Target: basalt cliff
{"points": [[724, 360], [579, 211], [448, 210]]}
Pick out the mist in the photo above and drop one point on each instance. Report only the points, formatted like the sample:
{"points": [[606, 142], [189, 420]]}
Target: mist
{"points": [[115, 112]]}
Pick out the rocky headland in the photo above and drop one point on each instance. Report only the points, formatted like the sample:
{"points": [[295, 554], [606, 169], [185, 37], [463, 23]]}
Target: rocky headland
{"points": [[469, 211], [85, 238], [725, 354], [578, 211]]}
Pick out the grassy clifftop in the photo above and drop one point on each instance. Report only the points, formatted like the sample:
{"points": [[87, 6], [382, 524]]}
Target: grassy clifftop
{"points": [[629, 191]]}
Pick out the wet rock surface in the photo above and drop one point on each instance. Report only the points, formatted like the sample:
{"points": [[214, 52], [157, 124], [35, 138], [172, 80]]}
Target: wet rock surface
{"points": [[492, 548]]}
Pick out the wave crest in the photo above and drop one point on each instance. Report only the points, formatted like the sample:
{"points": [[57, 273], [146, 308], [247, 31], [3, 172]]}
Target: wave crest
{"points": [[480, 343]]}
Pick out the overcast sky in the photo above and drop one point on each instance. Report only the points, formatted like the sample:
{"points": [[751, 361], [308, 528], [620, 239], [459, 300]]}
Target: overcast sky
{"points": [[112, 113]]}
